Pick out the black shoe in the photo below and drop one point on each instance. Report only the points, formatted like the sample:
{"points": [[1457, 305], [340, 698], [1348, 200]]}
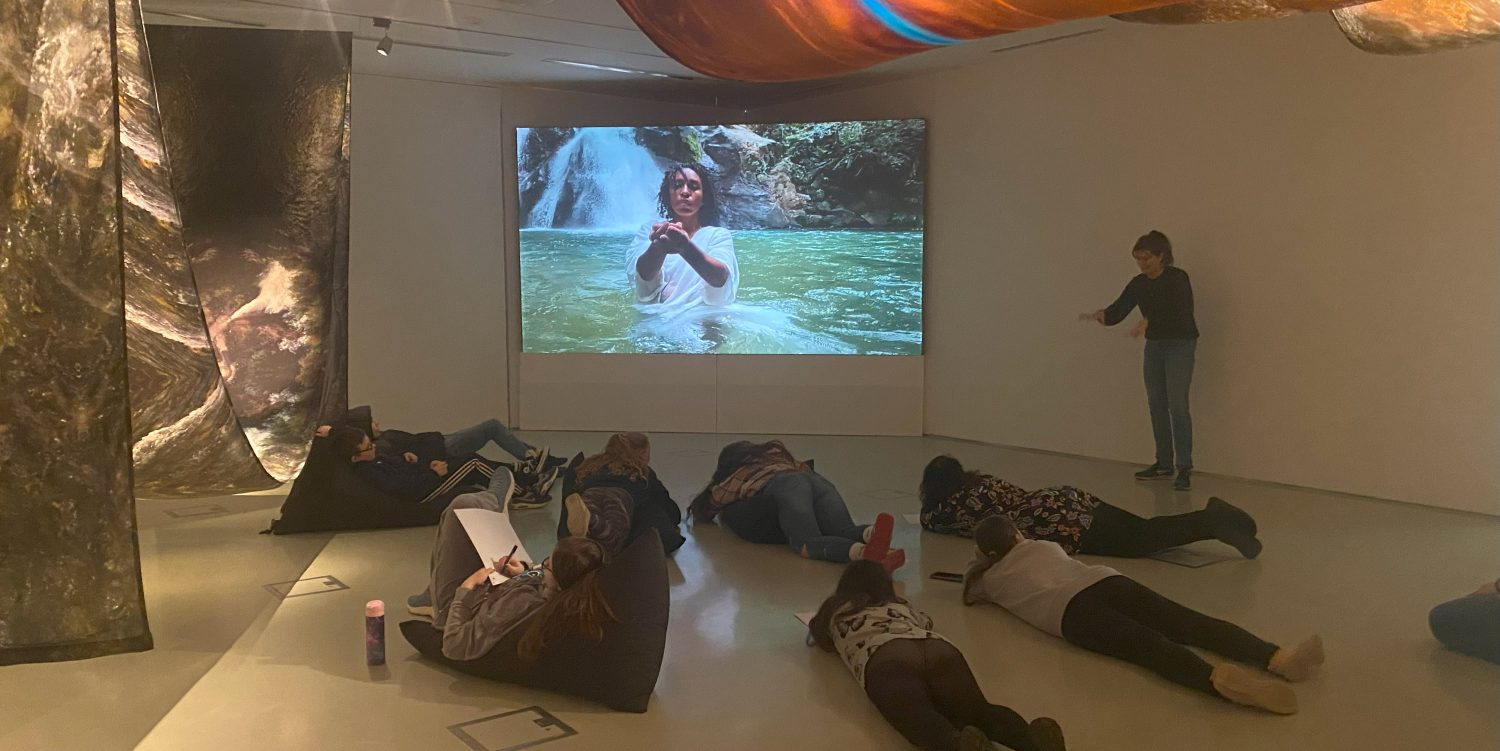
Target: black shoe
{"points": [[1236, 518], [528, 499], [1154, 472], [544, 485], [1047, 734], [1184, 480], [1247, 544]]}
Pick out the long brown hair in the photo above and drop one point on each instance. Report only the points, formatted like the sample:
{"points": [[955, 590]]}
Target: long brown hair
{"points": [[943, 477], [865, 584], [579, 605], [625, 454], [731, 458]]}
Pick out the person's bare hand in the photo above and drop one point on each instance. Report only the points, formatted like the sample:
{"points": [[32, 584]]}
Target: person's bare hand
{"points": [[438, 466], [668, 237], [1096, 316], [1139, 330], [510, 566], [324, 430], [409, 457], [675, 236], [476, 578]]}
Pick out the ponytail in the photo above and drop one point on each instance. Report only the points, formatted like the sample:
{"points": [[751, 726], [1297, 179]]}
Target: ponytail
{"points": [[1157, 244]]}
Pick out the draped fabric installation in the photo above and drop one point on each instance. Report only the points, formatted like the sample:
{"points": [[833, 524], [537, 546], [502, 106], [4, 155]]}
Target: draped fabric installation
{"points": [[257, 131], [70, 580], [793, 40], [154, 339]]}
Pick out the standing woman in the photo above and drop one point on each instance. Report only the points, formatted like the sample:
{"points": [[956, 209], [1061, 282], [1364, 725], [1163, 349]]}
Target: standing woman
{"points": [[1165, 296]]}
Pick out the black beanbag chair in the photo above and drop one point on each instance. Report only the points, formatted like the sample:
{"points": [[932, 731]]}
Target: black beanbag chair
{"points": [[619, 671], [328, 497]]}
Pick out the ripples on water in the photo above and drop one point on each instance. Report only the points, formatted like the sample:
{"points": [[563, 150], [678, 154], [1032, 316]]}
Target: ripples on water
{"points": [[801, 292]]}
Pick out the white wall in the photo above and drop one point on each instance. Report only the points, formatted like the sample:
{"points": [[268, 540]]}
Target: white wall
{"points": [[1336, 210], [427, 279]]}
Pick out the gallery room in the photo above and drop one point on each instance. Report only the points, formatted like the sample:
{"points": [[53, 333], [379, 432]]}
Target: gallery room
{"points": [[695, 374]]}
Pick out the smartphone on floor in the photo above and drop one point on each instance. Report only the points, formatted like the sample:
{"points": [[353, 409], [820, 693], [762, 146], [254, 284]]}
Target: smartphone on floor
{"points": [[947, 576]]}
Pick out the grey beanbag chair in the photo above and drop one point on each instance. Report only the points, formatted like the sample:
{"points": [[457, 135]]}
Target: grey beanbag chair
{"points": [[619, 671]]}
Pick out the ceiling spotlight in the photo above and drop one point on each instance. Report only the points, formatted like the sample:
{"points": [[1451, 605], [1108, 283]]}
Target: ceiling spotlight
{"points": [[386, 43]]}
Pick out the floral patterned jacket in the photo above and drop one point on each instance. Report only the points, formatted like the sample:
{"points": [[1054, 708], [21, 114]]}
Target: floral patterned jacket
{"points": [[1060, 514]]}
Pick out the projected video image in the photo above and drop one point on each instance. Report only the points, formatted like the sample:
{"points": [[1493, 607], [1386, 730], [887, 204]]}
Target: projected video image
{"points": [[726, 239]]}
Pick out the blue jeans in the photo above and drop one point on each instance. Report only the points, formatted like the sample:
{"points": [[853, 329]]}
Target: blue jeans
{"points": [[470, 440], [1470, 625], [1169, 374], [801, 509]]}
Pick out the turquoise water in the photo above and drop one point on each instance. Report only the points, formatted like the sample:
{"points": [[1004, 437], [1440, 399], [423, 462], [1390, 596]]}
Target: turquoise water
{"points": [[801, 292]]}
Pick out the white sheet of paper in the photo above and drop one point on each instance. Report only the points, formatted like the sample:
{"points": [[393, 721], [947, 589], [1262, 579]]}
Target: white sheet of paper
{"points": [[492, 535], [1189, 557], [807, 617], [913, 518]]}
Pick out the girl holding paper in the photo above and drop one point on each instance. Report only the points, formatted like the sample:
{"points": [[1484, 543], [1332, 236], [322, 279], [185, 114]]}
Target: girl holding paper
{"points": [[556, 599]]}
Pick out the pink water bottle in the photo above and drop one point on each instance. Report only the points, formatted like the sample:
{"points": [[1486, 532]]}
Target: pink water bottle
{"points": [[375, 632]]}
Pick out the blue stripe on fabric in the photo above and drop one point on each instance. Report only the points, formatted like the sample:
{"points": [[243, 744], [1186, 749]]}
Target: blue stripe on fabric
{"points": [[903, 27]]}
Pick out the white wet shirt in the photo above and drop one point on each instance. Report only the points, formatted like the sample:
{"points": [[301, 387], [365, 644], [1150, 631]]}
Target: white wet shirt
{"points": [[678, 287]]}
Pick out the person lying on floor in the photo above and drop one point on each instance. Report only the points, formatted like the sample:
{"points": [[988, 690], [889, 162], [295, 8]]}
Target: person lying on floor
{"points": [[1097, 608], [623, 467], [459, 446], [954, 500], [397, 477], [766, 496], [474, 615], [919, 681], [1471, 624]]}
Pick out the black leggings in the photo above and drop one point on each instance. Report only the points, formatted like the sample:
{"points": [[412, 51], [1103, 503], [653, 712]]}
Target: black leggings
{"points": [[1121, 618], [1119, 533], [925, 689]]}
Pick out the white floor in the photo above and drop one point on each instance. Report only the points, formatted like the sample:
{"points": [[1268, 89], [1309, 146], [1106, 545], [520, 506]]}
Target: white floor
{"points": [[237, 668]]}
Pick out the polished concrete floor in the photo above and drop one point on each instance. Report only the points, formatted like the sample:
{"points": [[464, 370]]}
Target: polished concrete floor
{"points": [[238, 668]]}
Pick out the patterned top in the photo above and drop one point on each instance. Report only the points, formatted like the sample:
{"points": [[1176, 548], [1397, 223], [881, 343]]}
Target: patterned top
{"points": [[856, 635], [1059, 514], [748, 480]]}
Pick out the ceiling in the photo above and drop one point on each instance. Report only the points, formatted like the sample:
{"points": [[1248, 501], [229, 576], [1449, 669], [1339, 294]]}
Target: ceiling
{"points": [[499, 42]]}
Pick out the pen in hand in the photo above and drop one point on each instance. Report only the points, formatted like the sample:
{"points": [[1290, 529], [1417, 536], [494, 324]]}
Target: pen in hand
{"points": [[506, 560]]}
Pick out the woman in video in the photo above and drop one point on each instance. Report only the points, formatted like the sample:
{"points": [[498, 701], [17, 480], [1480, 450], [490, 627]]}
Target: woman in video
{"points": [[684, 260], [956, 500]]}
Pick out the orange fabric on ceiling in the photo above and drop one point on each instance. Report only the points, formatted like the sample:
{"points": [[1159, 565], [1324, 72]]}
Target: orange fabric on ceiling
{"points": [[791, 40]]}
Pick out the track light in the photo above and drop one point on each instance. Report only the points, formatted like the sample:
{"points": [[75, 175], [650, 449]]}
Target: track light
{"points": [[386, 43]]}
